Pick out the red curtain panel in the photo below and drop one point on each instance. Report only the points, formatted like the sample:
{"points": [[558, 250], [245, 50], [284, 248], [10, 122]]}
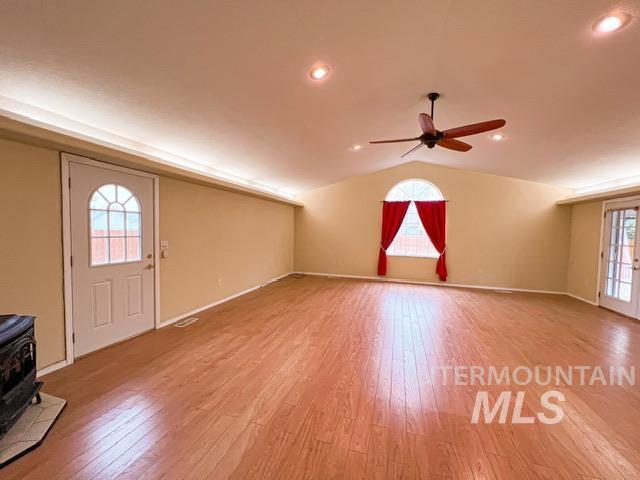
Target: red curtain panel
{"points": [[392, 215], [433, 216]]}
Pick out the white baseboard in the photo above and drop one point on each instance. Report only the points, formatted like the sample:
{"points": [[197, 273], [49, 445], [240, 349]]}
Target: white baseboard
{"points": [[166, 323], [457, 285], [441, 284], [63, 363], [51, 368], [582, 299], [57, 366]]}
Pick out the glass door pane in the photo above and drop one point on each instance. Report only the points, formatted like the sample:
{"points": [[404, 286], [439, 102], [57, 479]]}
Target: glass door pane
{"points": [[619, 267]]}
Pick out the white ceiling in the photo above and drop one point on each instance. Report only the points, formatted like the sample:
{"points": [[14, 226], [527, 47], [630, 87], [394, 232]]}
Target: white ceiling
{"points": [[224, 83]]}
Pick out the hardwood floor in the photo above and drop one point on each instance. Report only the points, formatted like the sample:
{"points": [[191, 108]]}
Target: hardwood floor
{"points": [[326, 378]]}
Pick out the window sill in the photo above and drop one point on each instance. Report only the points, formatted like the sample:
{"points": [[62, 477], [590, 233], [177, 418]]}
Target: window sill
{"points": [[413, 256]]}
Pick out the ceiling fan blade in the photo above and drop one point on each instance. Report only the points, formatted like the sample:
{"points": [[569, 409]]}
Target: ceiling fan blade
{"points": [[397, 140], [426, 124], [474, 128], [456, 145], [413, 149]]}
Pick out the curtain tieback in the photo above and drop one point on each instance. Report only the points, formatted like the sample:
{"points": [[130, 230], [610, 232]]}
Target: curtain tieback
{"points": [[383, 249]]}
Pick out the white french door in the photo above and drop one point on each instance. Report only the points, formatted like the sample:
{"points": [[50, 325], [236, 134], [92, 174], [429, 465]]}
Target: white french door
{"points": [[620, 282], [112, 254]]}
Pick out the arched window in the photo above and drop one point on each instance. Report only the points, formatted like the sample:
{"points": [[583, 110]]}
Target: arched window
{"points": [[114, 226], [412, 240]]}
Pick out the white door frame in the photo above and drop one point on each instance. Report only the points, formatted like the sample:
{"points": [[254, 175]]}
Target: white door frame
{"points": [[603, 224], [65, 158]]}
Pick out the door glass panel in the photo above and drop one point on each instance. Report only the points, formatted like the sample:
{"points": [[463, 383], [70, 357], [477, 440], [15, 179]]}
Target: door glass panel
{"points": [[124, 194], [99, 225], [115, 230], [116, 224], [131, 205], [133, 224], [99, 251], [98, 202], [619, 281], [108, 192], [133, 249], [116, 250], [625, 292]]}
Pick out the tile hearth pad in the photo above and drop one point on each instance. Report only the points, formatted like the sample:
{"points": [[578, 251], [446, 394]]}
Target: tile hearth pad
{"points": [[31, 428]]}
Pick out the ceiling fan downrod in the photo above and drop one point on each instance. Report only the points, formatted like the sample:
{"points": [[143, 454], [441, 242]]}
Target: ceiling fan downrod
{"points": [[433, 96]]}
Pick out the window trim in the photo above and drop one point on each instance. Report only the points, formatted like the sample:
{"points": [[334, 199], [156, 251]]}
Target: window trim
{"points": [[428, 256], [90, 237], [413, 180]]}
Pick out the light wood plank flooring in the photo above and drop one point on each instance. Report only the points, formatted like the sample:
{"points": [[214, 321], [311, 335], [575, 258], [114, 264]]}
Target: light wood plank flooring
{"points": [[326, 378]]}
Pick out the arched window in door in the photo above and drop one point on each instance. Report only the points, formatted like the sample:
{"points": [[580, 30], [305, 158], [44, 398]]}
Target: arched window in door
{"points": [[412, 240], [114, 226]]}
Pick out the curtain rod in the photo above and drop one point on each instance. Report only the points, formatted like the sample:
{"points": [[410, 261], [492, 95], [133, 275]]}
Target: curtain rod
{"points": [[382, 201]]}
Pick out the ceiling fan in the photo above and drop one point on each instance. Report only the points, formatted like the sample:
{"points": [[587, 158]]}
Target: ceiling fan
{"points": [[445, 138]]}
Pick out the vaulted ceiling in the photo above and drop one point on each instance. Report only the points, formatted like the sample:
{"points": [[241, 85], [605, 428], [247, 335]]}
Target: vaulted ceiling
{"points": [[224, 84]]}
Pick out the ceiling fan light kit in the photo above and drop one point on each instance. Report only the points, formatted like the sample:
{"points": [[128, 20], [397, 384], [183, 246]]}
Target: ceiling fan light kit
{"points": [[445, 138]]}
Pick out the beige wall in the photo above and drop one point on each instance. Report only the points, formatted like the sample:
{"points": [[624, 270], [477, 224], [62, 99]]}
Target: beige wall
{"points": [[213, 235], [501, 231], [584, 251], [31, 243]]}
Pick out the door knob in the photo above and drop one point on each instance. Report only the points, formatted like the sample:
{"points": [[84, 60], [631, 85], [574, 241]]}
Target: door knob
{"points": [[149, 267]]}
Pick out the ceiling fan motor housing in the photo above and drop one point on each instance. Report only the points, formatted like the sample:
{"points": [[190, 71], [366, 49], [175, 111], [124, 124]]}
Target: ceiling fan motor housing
{"points": [[431, 140]]}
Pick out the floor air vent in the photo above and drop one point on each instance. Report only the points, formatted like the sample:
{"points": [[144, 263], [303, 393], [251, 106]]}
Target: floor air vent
{"points": [[186, 322], [297, 275]]}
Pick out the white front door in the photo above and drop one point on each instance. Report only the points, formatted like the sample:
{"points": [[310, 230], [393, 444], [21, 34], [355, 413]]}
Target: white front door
{"points": [[620, 283], [112, 230]]}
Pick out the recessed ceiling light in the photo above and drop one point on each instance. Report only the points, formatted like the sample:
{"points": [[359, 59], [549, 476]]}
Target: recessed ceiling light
{"points": [[611, 23], [497, 137], [319, 72], [355, 148]]}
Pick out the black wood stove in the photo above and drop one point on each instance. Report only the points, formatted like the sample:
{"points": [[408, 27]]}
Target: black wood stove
{"points": [[17, 368]]}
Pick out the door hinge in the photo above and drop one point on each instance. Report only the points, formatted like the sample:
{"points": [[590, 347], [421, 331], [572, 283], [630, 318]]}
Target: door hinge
{"points": [[69, 182], [602, 254], [73, 337], [71, 260], [598, 294]]}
